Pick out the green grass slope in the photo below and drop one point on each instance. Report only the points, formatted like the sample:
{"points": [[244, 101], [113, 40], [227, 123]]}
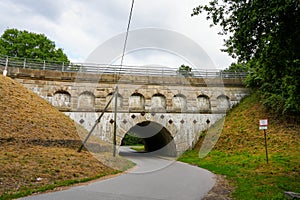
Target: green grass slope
{"points": [[38, 145], [240, 152]]}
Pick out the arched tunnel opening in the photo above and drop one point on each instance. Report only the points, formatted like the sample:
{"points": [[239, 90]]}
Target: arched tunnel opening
{"points": [[156, 138]]}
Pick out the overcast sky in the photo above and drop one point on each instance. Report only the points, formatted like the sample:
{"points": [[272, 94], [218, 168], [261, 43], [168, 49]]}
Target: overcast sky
{"points": [[80, 26]]}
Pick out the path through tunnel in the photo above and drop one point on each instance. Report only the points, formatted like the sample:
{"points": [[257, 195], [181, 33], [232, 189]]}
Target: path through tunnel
{"points": [[156, 138]]}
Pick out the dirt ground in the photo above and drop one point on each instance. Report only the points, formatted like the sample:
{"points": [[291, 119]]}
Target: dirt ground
{"points": [[221, 191]]}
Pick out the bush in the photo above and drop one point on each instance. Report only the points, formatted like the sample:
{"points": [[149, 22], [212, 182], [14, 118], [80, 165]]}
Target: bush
{"points": [[132, 139]]}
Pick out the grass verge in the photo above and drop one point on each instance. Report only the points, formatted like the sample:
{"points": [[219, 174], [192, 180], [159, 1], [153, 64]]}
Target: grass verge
{"points": [[138, 148], [240, 154], [56, 184]]}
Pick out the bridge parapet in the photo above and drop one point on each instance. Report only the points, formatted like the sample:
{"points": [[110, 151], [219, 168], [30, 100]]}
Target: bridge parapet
{"points": [[92, 68], [49, 75]]}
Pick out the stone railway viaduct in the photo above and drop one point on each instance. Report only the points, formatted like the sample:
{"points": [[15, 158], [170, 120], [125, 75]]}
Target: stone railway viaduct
{"points": [[169, 112]]}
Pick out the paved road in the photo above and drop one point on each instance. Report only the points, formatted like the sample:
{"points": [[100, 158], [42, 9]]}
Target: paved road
{"points": [[152, 179]]}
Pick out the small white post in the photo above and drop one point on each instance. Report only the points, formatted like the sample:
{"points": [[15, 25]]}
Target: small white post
{"points": [[6, 62], [5, 69], [24, 63], [44, 66], [4, 72]]}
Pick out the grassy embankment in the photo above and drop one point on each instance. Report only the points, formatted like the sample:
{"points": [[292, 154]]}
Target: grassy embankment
{"points": [[38, 146], [240, 152]]}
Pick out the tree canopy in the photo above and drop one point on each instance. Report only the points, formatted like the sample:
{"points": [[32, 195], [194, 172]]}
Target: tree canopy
{"points": [[265, 35], [185, 70], [24, 44], [237, 67]]}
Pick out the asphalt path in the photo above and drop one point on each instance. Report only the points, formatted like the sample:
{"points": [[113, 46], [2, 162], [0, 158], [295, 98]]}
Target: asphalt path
{"points": [[153, 178]]}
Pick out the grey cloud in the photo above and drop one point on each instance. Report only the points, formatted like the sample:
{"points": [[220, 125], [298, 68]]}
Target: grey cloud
{"points": [[80, 25], [153, 38], [49, 9]]}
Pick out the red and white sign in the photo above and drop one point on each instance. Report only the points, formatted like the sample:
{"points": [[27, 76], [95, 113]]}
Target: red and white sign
{"points": [[263, 124]]}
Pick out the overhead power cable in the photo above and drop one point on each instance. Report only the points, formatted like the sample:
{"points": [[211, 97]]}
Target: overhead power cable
{"points": [[115, 95], [126, 36], [116, 90]]}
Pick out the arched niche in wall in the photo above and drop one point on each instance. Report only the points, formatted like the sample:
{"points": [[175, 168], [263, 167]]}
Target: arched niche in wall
{"points": [[203, 103], [112, 104], [136, 102], [179, 102], [61, 99], [223, 103], [86, 101], [158, 102]]}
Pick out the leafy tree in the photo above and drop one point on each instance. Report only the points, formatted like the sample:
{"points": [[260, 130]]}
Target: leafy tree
{"points": [[237, 67], [16, 43], [185, 70], [265, 34], [235, 70]]}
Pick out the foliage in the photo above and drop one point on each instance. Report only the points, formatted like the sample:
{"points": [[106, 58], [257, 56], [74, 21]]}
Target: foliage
{"points": [[234, 70], [266, 36], [132, 139], [237, 67], [24, 44], [185, 70], [240, 154]]}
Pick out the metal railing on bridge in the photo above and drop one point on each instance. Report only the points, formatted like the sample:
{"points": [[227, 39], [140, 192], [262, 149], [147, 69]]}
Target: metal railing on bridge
{"points": [[114, 69]]}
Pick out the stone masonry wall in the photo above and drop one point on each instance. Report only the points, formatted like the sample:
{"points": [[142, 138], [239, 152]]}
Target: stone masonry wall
{"points": [[184, 106]]}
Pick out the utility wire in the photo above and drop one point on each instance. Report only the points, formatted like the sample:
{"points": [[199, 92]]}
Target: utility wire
{"points": [[114, 96], [116, 90], [126, 37]]}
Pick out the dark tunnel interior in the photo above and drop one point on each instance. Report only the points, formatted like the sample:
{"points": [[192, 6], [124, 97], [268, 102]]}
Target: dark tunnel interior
{"points": [[157, 139]]}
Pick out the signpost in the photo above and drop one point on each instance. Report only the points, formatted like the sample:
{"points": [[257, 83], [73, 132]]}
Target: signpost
{"points": [[263, 125], [115, 121]]}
